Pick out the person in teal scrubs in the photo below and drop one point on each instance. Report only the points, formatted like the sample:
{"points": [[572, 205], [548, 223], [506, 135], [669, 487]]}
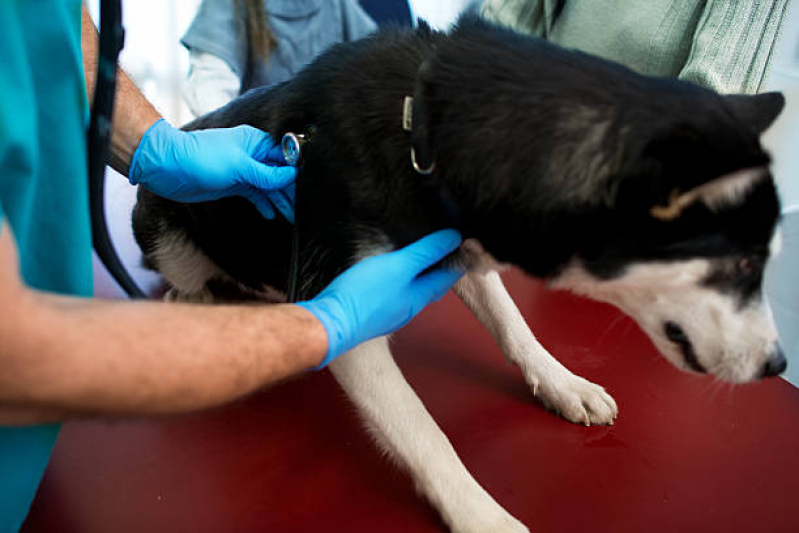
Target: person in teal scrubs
{"points": [[64, 354]]}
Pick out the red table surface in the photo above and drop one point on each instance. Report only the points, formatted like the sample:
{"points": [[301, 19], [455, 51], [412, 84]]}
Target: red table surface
{"points": [[687, 454]]}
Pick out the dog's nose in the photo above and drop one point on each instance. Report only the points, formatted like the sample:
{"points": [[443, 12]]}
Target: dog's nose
{"points": [[775, 365]]}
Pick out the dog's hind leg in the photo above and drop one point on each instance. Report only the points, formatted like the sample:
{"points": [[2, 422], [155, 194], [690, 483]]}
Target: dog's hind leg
{"points": [[402, 426], [575, 398]]}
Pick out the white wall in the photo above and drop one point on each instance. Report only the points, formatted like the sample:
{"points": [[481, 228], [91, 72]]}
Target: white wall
{"points": [[782, 278]]}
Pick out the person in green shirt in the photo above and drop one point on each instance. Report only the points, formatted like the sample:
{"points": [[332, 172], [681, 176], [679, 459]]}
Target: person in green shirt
{"points": [[64, 354], [724, 45]]}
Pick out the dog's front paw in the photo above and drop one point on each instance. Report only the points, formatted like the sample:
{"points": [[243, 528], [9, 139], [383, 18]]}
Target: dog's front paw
{"points": [[578, 400]]}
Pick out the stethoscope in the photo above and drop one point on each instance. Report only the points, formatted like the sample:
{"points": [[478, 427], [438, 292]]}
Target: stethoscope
{"points": [[112, 37]]}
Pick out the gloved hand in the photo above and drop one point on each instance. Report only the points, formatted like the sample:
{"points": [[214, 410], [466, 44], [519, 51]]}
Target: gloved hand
{"points": [[383, 293], [198, 166]]}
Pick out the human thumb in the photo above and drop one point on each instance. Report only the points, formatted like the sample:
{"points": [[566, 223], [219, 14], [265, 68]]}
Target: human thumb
{"points": [[431, 249]]}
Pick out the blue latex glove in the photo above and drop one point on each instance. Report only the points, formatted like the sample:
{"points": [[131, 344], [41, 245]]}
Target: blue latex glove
{"points": [[198, 166], [383, 293]]}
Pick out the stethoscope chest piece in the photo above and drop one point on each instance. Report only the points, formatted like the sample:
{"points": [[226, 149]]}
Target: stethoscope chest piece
{"points": [[292, 147]]}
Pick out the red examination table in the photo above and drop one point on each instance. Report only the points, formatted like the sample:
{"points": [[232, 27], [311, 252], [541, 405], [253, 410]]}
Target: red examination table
{"points": [[687, 454]]}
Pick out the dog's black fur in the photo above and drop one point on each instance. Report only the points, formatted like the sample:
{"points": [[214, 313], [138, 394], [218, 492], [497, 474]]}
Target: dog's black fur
{"points": [[547, 154]]}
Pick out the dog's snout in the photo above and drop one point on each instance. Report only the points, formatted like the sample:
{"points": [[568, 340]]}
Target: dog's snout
{"points": [[775, 365]]}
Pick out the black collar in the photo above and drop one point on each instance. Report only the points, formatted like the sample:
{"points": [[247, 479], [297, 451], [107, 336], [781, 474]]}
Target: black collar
{"points": [[416, 121]]}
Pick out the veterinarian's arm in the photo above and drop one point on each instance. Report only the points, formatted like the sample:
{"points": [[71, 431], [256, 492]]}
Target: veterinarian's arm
{"points": [[189, 166], [64, 356], [71, 356], [133, 114]]}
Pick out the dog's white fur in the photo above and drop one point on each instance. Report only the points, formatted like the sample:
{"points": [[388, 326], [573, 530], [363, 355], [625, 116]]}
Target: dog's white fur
{"points": [[405, 430], [183, 264]]}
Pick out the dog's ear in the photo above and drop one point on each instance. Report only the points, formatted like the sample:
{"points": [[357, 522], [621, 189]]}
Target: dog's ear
{"points": [[656, 158], [759, 110], [683, 163], [719, 193]]}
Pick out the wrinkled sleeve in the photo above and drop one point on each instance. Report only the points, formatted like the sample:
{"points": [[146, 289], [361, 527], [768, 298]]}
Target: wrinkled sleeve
{"points": [[357, 23], [211, 83], [215, 30], [734, 45]]}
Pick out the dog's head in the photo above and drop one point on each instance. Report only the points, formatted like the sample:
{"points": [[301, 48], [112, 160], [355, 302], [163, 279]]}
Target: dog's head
{"points": [[693, 218], [652, 194]]}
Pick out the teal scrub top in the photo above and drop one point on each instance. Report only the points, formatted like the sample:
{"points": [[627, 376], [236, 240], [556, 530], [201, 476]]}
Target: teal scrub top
{"points": [[43, 194]]}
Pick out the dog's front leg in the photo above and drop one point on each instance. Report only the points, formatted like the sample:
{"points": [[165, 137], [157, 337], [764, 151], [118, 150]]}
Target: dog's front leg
{"points": [[403, 427], [575, 398]]}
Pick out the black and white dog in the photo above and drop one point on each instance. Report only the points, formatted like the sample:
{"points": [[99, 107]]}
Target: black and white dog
{"points": [[651, 194]]}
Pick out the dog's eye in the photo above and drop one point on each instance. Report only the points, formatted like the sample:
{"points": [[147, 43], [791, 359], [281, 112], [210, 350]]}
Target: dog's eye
{"points": [[751, 263], [745, 265]]}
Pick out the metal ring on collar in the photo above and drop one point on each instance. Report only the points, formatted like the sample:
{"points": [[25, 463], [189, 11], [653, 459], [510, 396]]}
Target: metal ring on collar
{"points": [[423, 171]]}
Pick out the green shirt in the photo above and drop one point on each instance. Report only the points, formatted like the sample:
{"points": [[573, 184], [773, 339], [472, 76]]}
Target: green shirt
{"points": [[43, 193], [725, 45]]}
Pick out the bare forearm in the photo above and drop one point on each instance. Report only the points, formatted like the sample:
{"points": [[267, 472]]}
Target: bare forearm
{"points": [[91, 357], [133, 114]]}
